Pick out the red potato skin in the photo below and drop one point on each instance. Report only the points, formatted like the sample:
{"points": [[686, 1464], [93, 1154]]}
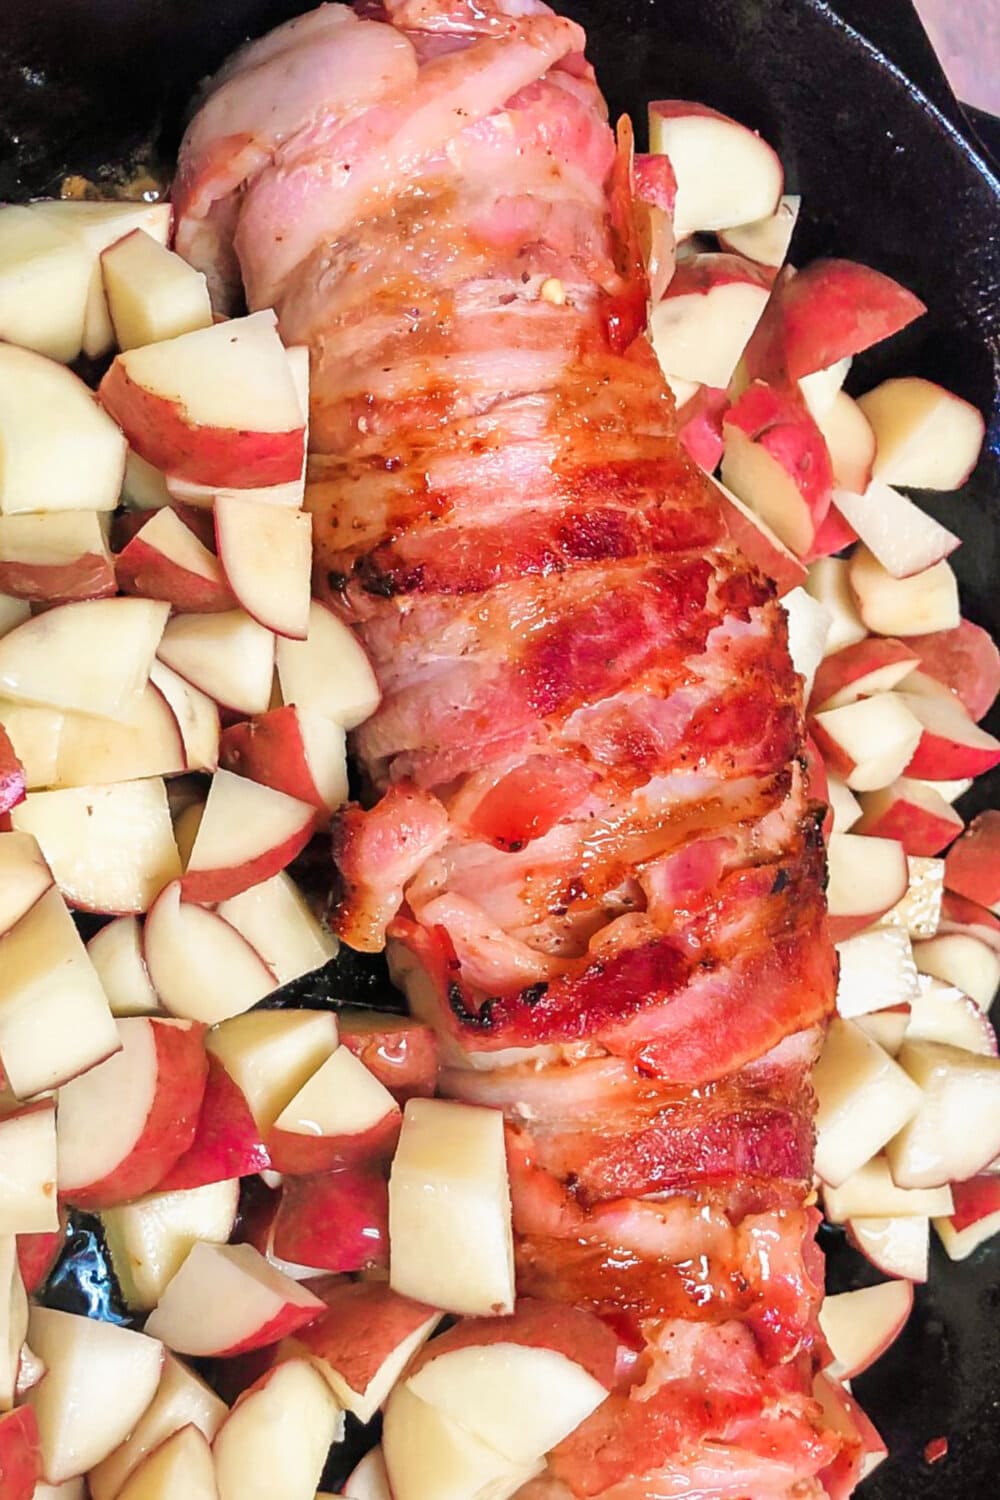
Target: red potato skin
{"points": [[402, 1054], [699, 427], [226, 1142], [832, 309], [920, 832], [364, 1322], [579, 1335], [38, 1253], [210, 886], [976, 1199], [833, 534], [270, 749], [972, 866], [151, 574], [12, 783], [940, 758], [20, 1454], [285, 1322], [852, 664], [701, 274], [181, 1074], [335, 1221], [655, 181], [772, 557], [959, 914], [781, 424], [834, 755], [303, 1155], [966, 660], [90, 576], [161, 433]]}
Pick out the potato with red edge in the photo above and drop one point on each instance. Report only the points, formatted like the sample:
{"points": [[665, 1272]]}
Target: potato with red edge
{"points": [[776, 461], [927, 437], [832, 536], [363, 1341], [912, 812], [960, 915], [850, 443], [975, 1216], [38, 1253], [293, 750], [227, 1142], [972, 866], [955, 1131], [765, 241], [867, 878], [868, 743], [248, 832], [20, 1453], [904, 538], [759, 544], [860, 1326], [874, 665], [201, 968], [726, 174], [701, 325], [400, 1052], [211, 404], [165, 560], [122, 1125], [864, 1099], [951, 744], [340, 1116], [522, 1383], [822, 314], [924, 603], [699, 427], [58, 556], [149, 1239], [334, 1221], [226, 1300], [276, 1438], [966, 660], [28, 1205]]}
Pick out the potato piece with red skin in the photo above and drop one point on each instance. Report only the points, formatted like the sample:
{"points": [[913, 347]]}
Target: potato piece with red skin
{"points": [[912, 812], [829, 310], [874, 665], [335, 1221], [227, 1142], [966, 660], [585, 1339], [20, 1454], [972, 865], [164, 559], [400, 1052], [775, 459]]}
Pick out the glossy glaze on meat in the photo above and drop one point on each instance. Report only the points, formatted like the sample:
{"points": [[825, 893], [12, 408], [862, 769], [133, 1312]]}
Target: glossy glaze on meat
{"points": [[586, 838]]}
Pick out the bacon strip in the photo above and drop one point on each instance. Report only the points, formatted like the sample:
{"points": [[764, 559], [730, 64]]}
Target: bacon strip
{"points": [[587, 836]]}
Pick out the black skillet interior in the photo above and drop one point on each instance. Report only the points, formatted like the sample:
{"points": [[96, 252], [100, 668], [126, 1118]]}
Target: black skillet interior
{"points": [[884, 159]]}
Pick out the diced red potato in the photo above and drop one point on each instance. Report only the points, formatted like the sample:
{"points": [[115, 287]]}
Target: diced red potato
{"points": [[279, 925], [248, 833], [181, 1465], [896, 1247], [951, 744], [912, 812], [342, 1115], [808, 628], [972, 866], [29, 1209], [143, 487], [422, 1447], [765, 241], [196, 716], [871, 1193], [955, 1131], [654, 180], [328, 672], [278, 1434], [266, 555], [99, 752], [974, 1219], [334, 1221], [850, 442], [149, 1239], [44, 280], [941, 1013], [13, 780], [832, 536], [864, 1099], [877, 971], [293, 750], [822, 314], [152, 293], [959, 914], [726, 175], [400, 1052], [886, 1027], [869, 743], [226, 1300], [776, 461], [919, 912], [270, 1054], [369, 1479], [820, 389], [24, 877], [927, 437], [828, 581], [873, 665], [964, 961], [759, 544], [211, 404], [123, 1124], [917, 605], [860, 1326], [201, 968], [844, 805], [966, 660], [227, 656], [227, 1142], [165, 560], [701, 325], [699, 426], [904, 539], [56, 556], [100, 1378]]}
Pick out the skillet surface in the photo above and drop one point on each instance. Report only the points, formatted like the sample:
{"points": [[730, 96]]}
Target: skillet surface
{"points": [[890, 174]]}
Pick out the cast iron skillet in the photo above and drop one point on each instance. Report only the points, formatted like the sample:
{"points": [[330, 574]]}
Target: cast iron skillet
{"points": [[891, 174]]}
